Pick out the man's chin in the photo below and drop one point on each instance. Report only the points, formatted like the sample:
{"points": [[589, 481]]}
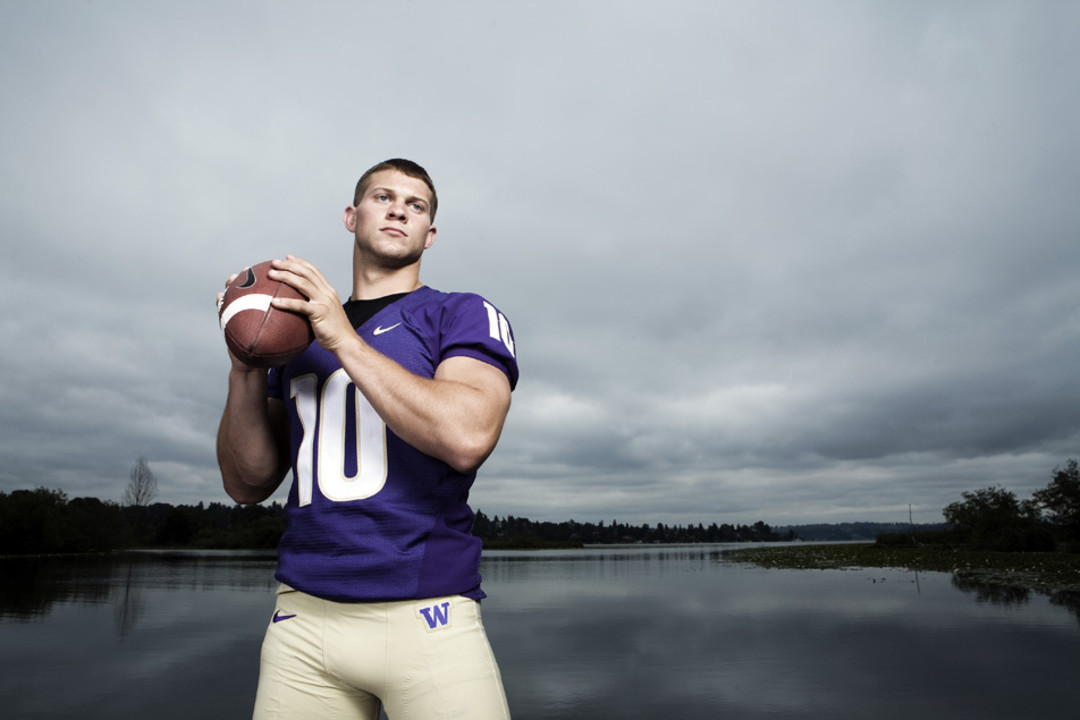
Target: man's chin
{"points": [[391, 258]]}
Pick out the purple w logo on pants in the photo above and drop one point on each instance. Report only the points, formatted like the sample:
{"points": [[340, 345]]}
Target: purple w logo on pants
{"points": [[437, 615]]}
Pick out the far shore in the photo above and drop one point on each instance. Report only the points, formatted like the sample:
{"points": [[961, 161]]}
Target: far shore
{"points": [[1048, 571]]}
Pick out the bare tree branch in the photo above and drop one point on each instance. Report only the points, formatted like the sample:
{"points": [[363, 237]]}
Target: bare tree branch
{"points": [[142, 485]]}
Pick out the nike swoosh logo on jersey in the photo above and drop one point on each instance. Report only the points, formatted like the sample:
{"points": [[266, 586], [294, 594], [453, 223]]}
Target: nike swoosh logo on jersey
{"points": [[278, 617], [380, 330]]}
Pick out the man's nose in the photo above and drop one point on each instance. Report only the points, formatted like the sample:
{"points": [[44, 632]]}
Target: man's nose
{"points": [[397, 210]]}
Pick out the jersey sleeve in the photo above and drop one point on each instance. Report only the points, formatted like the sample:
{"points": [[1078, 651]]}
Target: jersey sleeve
{"points": [[473, 327]]}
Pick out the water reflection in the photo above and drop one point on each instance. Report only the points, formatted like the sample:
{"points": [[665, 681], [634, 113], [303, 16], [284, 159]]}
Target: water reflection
{"points": [[31, 587], [679, 633], [629, 633], [132, 636], [997, 594], [129, 606], [1012, 596], [1068, 599]]}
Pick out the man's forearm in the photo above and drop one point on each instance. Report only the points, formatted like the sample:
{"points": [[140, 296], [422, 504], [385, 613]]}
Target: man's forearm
{"points": [[457, 416], [249, 447]]}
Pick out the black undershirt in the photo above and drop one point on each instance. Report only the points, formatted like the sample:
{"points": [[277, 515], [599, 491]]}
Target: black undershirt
{"points": [[360, 311]]}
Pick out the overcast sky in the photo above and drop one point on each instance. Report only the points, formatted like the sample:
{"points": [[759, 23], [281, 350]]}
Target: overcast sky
{"points": [[781, 261]]}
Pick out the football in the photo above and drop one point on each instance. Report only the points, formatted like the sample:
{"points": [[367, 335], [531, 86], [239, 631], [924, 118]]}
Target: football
{"points": [[257, 333]]}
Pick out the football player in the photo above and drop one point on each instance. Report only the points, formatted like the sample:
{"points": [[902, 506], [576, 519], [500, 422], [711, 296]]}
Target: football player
{"points": [[383, 423]]}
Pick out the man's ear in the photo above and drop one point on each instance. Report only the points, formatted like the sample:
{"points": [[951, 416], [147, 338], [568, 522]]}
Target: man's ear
{"points": [[350, 218], [430, 237]]}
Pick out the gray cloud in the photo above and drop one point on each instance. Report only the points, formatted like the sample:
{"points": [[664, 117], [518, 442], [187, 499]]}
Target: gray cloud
{"points": [[763, 261]]}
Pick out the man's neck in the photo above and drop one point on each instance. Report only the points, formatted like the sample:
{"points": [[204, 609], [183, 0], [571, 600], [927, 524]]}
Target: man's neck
{"points": [[376, 282]]}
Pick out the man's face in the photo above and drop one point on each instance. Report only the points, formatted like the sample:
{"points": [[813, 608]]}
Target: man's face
{"points": [[392, 221]]}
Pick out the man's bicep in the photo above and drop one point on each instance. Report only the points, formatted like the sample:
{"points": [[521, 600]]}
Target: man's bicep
{"points": [[485, 377]]}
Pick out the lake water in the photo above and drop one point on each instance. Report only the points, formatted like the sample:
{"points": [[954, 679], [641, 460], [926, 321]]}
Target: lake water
{"points": [[647, 632]]}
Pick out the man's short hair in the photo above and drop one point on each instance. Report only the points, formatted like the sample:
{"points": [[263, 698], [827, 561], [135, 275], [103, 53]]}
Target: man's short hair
{"points": [[405, 167]]}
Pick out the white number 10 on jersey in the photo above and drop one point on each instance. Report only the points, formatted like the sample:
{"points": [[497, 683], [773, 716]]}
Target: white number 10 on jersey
{"points": [[326, 415]]}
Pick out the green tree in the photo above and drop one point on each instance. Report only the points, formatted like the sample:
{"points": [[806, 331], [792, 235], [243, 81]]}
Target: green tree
{"points": [[1061, 498], [994, 519], [177, 529], [32, 521], [96, 526]]}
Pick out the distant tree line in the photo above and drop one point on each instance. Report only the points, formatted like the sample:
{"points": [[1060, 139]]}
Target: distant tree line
{"points": [[516, 532], [856, 531], [45, 521]]}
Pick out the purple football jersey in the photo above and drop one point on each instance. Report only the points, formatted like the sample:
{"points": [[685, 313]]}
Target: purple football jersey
{"points": [[369, 516]]}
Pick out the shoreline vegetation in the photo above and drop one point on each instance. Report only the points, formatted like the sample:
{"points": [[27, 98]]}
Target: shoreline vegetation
{"points": [[989, 536], [1043, 571]]}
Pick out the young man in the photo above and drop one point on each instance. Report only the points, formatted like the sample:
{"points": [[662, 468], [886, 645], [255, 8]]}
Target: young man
{"points": [[383, 421]]}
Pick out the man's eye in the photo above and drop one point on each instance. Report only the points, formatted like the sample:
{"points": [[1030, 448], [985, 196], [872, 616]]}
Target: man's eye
{"points": [[382, 197], [418, 207]]}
